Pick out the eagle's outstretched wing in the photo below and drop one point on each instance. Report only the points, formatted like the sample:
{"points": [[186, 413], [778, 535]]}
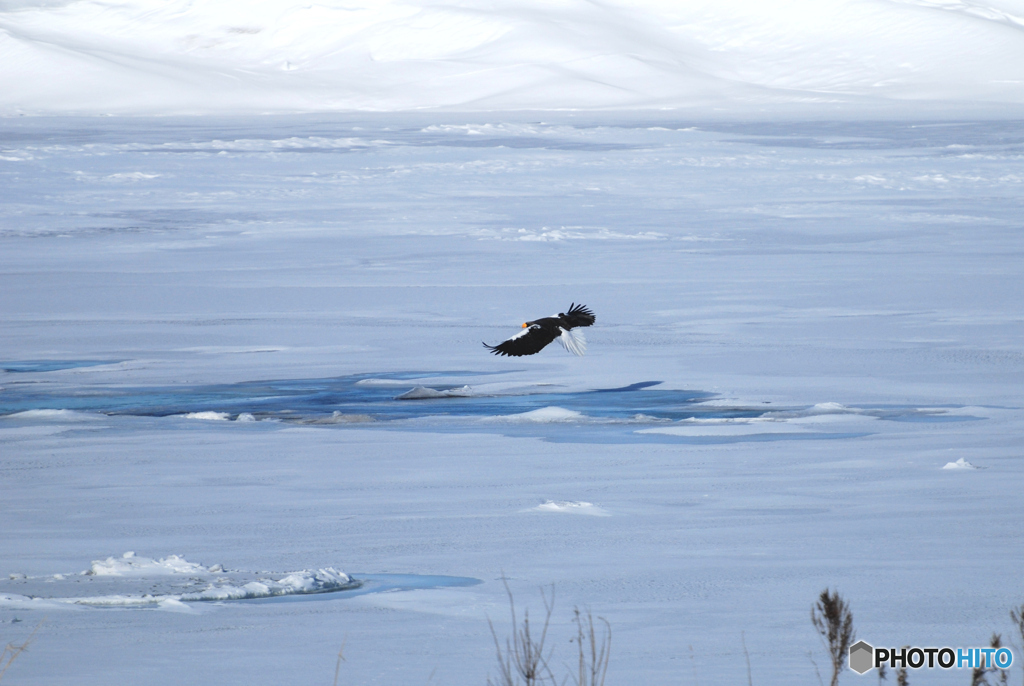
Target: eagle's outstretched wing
{"points": [[578, 315], [526, 342]]}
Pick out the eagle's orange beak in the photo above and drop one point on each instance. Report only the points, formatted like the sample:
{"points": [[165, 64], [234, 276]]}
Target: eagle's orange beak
{"points": [[525, 325]]}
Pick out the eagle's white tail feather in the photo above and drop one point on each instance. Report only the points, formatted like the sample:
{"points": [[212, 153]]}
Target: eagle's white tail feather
{"points": [[574, 341]]}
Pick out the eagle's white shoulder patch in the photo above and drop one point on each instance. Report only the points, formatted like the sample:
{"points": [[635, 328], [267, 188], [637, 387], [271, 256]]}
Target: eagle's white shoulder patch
{"points": [[524, 332]]}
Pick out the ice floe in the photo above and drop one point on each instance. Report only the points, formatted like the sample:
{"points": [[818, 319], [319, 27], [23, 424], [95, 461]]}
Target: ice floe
{"points": [[131, 581], [323, 580]]}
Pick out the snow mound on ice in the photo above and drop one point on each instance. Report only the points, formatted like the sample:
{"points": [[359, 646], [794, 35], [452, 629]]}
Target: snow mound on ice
{"points": [[208, 415], [424, 393], [960, 464], [129, 565], [547, 414], [572, 507], [830, 408]]}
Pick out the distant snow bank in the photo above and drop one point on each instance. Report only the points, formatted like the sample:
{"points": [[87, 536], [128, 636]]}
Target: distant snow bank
{"points": [[197, 56]]}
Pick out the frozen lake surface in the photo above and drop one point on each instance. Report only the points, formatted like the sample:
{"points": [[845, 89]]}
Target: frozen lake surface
{"points": [[246, 344]]}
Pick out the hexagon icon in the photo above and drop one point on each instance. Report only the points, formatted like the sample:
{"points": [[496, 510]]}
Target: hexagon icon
{"points": [[861, 657]]}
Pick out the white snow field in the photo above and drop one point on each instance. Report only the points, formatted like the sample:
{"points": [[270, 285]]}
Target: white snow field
{"points": [[739, 56], [806, 334]]}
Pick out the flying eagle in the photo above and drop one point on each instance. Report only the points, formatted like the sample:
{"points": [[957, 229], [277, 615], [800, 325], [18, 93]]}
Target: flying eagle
{"points": [[540, 332]]}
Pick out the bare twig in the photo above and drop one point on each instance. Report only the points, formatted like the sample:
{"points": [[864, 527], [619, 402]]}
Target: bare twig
{"points": [[832, 618], [1017, 615], [13, 650], [810, 656], [523, 655], [341, 658], [979, 675], [901, 672], [593, 652], [746, 654]]}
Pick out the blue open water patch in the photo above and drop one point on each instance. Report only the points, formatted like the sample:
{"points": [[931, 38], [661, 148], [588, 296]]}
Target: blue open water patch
{"points": [[336, 399], [410, 401], [25, 366]]}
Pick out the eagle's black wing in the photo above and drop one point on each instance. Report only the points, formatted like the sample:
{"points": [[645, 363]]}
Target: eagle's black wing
{"points": [[578, 315], [526, 342]]}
